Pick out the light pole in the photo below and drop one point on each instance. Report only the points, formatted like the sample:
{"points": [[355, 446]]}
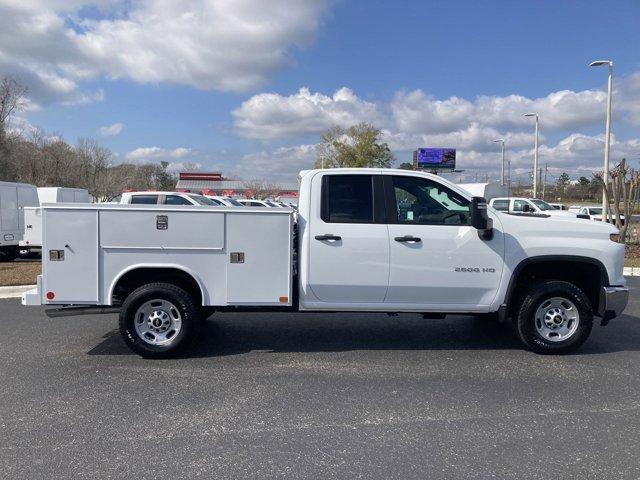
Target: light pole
{"points": [[607, 135], [535, 156], [502, 181]]}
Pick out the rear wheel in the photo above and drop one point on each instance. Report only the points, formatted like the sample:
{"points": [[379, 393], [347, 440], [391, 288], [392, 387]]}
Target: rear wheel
{"points": [[554, 317], [159, 320], [8, 254]]}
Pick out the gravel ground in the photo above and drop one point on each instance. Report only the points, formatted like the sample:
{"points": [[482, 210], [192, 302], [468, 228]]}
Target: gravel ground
{"points": [[317, 396], [19, 272]]}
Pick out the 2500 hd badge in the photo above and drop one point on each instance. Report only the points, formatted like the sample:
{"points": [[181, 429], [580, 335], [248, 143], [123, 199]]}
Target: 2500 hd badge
{"points": [[475, 269]]}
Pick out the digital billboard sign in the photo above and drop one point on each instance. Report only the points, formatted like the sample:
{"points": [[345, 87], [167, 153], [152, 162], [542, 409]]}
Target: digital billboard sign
{"points": [[435, 158]]}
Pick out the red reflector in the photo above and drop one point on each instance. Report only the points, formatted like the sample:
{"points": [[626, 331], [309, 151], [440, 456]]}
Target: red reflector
{"points": [[50, 295]]}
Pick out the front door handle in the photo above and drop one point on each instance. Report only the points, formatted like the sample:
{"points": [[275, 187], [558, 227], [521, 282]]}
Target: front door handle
{"points": [[328, 236], [408, 238]]}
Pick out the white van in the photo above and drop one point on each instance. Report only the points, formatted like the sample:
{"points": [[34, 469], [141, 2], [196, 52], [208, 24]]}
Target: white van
{"points": [[32, 237], [63, 195], [14, 197]]}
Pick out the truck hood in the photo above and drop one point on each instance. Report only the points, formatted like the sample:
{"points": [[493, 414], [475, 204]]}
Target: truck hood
{"points": [[565, 226]]}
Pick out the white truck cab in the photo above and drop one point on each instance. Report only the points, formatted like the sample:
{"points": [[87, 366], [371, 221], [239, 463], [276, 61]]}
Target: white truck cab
{"points": [[374, 240], [521, 205]]}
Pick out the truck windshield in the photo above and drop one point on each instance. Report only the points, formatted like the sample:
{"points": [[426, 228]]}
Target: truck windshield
{"points": [[202, 200], [595, 211], [541, 204]]}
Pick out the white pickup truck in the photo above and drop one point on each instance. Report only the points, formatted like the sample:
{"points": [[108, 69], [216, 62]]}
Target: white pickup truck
{"points": [[365, 240]]}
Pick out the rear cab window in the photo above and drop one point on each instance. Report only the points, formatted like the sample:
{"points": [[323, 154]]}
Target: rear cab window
{"points": [[501, 205], [144, 199]]}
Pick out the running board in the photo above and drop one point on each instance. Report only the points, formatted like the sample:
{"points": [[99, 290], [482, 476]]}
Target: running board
{"points": [[75, 311]]}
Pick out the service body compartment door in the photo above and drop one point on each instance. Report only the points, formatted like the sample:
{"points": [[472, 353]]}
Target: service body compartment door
{"points": [[259, 256], [73, 276]]}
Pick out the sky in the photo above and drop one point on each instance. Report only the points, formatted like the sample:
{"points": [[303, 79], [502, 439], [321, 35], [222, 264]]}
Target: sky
{"points": [[248, 86]]}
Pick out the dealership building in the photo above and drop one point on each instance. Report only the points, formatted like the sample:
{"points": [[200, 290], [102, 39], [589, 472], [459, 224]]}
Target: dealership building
{"points": [[214, 183]]}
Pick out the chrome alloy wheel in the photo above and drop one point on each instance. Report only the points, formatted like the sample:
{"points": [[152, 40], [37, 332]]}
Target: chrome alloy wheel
{"points": [[157, 322], [557, 319]]}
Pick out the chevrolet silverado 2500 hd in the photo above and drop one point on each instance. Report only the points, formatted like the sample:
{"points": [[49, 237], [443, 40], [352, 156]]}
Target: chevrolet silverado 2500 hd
{"points": [[364, 240]]}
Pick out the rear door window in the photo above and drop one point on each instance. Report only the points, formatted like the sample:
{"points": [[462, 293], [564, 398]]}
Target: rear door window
{"points": [[347, 199]]}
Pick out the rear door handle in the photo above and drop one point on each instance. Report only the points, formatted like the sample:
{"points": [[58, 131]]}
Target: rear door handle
{"points": [[328, 236], [408, 238]]}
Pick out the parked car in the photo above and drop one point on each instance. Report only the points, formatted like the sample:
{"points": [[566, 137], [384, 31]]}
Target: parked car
{"points": [[249, 202], [594, 212], [14, 197], [166, 198], [558, 206], [367, 240], [521, 205], [224, 201]]}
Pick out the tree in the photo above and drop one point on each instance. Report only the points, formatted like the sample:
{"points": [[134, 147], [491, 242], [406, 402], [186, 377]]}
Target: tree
{"points": [[584, 182], [165, 180], [261, 189], [12, 100], [406, 166], [563, 180], [621, 194], [358, 146]]}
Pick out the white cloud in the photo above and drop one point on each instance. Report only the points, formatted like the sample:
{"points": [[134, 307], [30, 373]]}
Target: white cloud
{"points": [[111, 130], [156, 154], [416, 112], [279, 165], [230, 45], [473, 137], [270, 115]]}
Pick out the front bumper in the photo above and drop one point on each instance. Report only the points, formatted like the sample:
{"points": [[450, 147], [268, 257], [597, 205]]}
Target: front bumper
{"points": [[613, 301]]}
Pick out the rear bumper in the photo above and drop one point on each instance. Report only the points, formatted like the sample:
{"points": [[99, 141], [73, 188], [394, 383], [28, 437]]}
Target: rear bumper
{"points": [[33, 296], [613, 301]]}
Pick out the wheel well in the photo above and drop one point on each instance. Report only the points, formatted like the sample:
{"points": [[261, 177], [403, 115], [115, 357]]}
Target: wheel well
{"points": [[588, 276], [137, 277]]}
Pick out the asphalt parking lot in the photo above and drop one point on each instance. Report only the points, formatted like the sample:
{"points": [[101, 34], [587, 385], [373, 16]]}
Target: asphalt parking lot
{"points": [[316, 396]]}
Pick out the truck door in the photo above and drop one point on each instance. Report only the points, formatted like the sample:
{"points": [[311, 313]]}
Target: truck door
{"points": [[349, 241], [437, 258]]}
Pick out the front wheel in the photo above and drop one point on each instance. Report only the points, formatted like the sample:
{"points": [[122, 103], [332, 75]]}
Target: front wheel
{"points": [[159, 320], [554, 317]]}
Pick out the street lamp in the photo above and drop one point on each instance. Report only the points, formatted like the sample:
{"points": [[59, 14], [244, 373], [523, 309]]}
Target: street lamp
{"points": [[502, 181], [607, 137], [535, 157]]}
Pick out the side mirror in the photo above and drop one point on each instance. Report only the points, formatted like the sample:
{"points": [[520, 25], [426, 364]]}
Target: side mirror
{"points": [[526, 208], [480, 218]]}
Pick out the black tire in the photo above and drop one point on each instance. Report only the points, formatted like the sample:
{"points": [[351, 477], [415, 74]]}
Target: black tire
{"points": [[183, 302], [8, 254], [537, 294]]}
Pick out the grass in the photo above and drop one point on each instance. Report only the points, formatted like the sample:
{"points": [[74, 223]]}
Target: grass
{"points": [[632, 255], [19, 273]]}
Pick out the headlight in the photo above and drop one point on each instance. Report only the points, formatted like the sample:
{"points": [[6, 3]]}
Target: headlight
{"points": [[615, 237]]}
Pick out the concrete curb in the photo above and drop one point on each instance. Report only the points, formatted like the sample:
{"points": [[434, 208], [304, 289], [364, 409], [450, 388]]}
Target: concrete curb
{"points": [[18, 290]]}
